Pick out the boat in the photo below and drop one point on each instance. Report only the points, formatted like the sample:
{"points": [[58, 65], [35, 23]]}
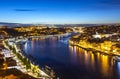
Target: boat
{"points": [[49, 71], [22, 41], [116, 58]]}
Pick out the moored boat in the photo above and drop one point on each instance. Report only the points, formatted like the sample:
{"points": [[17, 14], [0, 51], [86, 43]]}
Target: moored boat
{"points": [[116, 58]]}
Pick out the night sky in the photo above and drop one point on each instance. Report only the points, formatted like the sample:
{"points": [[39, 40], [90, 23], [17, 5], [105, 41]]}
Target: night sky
{"points": [[60, 11]]}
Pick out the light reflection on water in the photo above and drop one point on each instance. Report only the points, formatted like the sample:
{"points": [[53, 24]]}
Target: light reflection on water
{"points": [[95, 62], [71, 61]]}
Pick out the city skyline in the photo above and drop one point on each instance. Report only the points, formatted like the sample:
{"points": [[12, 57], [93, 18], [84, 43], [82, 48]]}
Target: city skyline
{"points": [[60, 11]]}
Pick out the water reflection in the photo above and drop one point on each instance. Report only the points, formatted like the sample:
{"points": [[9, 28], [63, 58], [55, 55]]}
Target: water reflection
{"points": [[32, 45], [94, 62], [118, 67], [72, 62]]}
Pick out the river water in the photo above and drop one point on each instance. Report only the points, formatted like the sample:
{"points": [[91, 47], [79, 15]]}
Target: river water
{"points": [[71, 62]]}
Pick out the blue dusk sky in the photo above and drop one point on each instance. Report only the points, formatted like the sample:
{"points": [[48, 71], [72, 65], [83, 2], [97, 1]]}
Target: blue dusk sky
{"points": [[60, 11]]}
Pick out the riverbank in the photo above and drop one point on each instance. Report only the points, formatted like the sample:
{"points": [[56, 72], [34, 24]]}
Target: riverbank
{"points": [[29, 67], [93, 49], [14, 73], [9, 68]]}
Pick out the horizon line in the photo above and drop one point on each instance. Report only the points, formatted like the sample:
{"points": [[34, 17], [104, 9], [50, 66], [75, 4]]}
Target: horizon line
{"points": [[58, 23]]}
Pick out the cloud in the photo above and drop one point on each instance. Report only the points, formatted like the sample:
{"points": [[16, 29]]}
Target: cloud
{"points": [[24, 10]]}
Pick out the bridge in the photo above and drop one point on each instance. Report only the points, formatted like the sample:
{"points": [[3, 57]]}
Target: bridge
{"points": [[48, 36]]}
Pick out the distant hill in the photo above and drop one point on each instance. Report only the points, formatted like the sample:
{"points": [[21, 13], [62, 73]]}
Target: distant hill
{"points": [[9, 24], [57, 25], [13, 24]]}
